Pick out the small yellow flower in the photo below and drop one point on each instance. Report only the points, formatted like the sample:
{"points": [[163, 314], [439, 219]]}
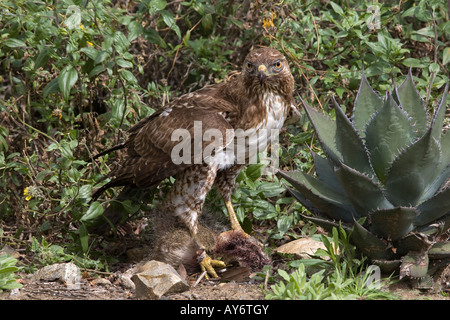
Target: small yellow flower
{"points": [[268, 19], [90, 43], [27, 194], [57, 113], [81, 27]]}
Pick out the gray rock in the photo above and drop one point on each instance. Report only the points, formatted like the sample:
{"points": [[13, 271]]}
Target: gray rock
{"points": [[154, 279], [68, 273]]}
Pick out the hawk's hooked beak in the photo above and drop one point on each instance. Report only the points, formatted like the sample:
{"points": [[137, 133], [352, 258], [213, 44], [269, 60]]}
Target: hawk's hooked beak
{"points": [[262, 74]]}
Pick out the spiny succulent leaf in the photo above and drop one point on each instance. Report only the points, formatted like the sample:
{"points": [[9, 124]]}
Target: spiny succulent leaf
{"points": [[414, 265], [319, 206], [369, 244], [412, 171], [387, 133], [321, 198], [445, 149], [325, 172], [393, 223], [440, 250], [413, 241], [350, 144], [436, 184], [413, 104], [364, 193], [367, 103], [434, 208], [326, 131], [439, 115]]}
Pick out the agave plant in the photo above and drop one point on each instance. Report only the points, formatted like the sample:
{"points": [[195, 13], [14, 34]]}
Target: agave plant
{"points": [[385, 176]]}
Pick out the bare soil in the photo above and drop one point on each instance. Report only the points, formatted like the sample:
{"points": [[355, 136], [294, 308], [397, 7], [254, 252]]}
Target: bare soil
{"points": [[112, 288]]}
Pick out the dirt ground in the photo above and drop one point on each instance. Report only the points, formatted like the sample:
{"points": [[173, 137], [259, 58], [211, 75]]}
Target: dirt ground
{"points": [[110, 287]]}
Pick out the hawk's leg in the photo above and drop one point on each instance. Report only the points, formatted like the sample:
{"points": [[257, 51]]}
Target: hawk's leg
{"points": [[186, 199], [225, 182]]}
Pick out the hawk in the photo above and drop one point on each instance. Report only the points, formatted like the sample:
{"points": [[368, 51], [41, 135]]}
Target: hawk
{"points": [[174, 140]]}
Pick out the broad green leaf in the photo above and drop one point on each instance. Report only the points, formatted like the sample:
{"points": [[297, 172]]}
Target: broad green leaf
{"points": [[157, 5], [413, 104], [90, 52], [446, 56], [413, 171], [66, 80], [389, 131], [367, 103], [42, 58], [170, 22], [128, 76], [95, 210], [393, 223], [15, 43], [337, 8], [253, 171]]}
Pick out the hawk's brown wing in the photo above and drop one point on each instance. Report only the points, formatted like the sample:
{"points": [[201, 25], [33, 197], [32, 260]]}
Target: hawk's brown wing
{"points": [[151, 141]]}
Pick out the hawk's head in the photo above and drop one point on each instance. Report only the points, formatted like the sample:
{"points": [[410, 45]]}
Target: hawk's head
{"points": [[266, 69]]}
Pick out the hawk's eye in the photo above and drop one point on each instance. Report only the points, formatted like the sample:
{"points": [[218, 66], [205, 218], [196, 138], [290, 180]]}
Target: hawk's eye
{"points": [[249, 65], [277, 64]]}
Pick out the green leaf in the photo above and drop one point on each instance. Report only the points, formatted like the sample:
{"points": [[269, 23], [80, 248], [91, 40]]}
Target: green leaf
{"points": [[253, 171], [369, 244], [367, 103], [51, 87], [365, 195], [446, 56], [124, 63], [325, 172], [413, 171], [326, 131], [90, 52], [318, 196], [66, 80], [434, 208], [84, 237], [389, 131], [337, 8], [438, 118], [393, 223], [95, 210], [350, 144], [128, 76], [15, 43], [413, 104], [157, 5], [170, 22]]}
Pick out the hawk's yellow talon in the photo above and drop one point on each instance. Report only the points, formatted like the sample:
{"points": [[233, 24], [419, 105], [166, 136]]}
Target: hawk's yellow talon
{"points": [[208, 264]]}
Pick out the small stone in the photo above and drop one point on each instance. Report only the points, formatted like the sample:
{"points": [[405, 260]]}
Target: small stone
{"points": [[68, 273], [155, 279], [101, 282], [304, 247]]}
